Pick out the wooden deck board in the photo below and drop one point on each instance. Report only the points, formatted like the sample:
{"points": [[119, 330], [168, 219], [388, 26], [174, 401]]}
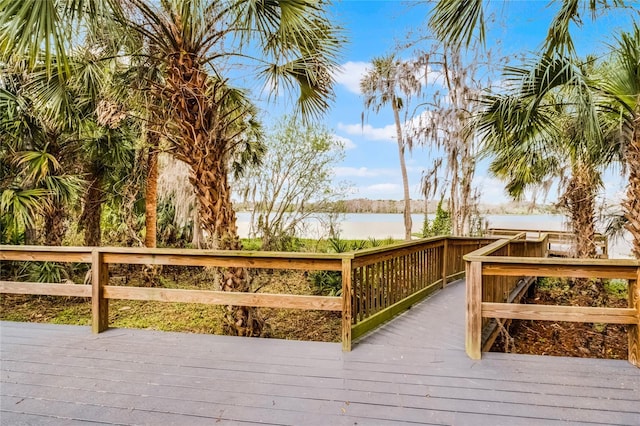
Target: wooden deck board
{"points": [[413, 370]]}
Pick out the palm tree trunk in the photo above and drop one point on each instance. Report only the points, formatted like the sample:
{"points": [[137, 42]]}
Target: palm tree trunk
{"points": [[579, 199], [55, 214], [218, 220], [90, 217], [631, 204], [151, 192], [202, 145], [54, 224], [408, 225]]}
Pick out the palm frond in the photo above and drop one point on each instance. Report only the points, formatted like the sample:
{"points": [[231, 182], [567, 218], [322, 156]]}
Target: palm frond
{"points": [[29, 28], [455, 21]]}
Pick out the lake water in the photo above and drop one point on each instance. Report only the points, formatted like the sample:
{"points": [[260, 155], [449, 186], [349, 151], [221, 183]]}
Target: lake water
{"points": [[385, 225]]}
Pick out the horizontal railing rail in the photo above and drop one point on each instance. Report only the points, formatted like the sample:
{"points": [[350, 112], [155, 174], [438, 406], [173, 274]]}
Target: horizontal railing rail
{"points": [[100, 291], [377, 283], [558, 240], [490, 267], [388, 280]]}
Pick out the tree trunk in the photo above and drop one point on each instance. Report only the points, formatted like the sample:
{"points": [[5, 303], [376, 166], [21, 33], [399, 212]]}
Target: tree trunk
{"points": [[408, 225], [55, 214], [54, 224], [579, 199], [203, 145], [151, 191], [197, 228], [30, 235], [454, 211], [631, 204], [90, 218]]}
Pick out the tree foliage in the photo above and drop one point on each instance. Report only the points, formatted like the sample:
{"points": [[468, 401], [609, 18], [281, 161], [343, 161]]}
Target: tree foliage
{"points": [[392, 82], [294, 182]]}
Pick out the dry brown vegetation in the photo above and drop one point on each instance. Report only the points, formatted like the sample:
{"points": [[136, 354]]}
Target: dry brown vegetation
{"points": [[194, 318]]}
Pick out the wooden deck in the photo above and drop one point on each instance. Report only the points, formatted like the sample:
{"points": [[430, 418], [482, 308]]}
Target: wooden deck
{"points": [[413, 370]]}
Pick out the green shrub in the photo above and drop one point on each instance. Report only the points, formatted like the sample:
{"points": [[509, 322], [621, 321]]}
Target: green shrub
{"points": [[327, 283]]}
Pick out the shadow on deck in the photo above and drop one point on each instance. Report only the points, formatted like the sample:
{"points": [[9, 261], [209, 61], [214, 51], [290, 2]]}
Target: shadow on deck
{"points": [[412, 370]]}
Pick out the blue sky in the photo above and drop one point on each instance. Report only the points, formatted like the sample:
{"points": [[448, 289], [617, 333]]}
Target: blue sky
{"points": [[374, 28]]}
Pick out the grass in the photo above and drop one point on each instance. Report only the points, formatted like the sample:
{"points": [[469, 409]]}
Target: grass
{"points": [[182, 317], [617, 288], [196, 318], [307, 245]]}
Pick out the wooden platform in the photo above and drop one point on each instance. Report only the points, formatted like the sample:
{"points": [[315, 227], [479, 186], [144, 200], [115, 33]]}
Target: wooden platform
{"points": [[413, 370]]}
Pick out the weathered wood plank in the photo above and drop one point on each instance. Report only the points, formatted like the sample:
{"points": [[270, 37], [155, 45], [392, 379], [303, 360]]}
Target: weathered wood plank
{"points": [[634, 329], [559, 313], [203, 259], [210, 297], [388, 313], [489, 249], [347, 303], [548, 268], [473, 341], [99, 304], [16, 287], [391, 252], [624, 264], [45, 253], [412, 370]]}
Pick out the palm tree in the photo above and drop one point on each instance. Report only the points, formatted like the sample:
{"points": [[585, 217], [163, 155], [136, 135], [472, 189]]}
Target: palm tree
{"points": [[38, 150], [455, 22], [209, 119], [195, 43], [382, 86], [621, 89], [549, 123]]}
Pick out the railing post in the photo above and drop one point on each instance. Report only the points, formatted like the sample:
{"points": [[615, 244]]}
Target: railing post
{"points": [[473, 336], [634, 329], [99, 305], [444, 262], [346, 304]]}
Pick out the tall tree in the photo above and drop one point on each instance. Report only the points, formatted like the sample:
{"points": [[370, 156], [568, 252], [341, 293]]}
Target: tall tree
{"points": [[546, 127], [621, 89], [456, 21], [444, 123], [196, 42], [383, 86]]}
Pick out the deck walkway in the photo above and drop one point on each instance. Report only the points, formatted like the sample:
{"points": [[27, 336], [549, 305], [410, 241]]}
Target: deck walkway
{"points": [[413, 370]]}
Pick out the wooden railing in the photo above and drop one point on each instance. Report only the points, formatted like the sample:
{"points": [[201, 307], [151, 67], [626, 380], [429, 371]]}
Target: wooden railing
{"points": [[493, 271], [377, 284], [559, 242], [100, 291], [386, 282]]}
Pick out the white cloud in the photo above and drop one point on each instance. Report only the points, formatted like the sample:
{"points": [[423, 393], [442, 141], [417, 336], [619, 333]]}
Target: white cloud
{"points": [[351, 73], [491, 190], [345, 142], [429, 76], [363, 172], [383, 191], [386, 133]]}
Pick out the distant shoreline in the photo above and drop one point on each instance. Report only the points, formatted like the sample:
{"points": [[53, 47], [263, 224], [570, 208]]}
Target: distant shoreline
{"points": [[390, 225], [367, 206]]}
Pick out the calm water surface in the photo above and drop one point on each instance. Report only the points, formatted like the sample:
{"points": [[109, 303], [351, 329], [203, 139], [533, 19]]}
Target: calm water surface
{"points": [[385, 225]]}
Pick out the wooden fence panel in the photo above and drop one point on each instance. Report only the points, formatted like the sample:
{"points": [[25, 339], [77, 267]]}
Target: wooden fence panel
{"points": [[494, 271]]}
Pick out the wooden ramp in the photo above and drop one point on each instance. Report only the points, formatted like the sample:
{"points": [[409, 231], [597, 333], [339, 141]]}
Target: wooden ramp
{"points": [[413, 370]]}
